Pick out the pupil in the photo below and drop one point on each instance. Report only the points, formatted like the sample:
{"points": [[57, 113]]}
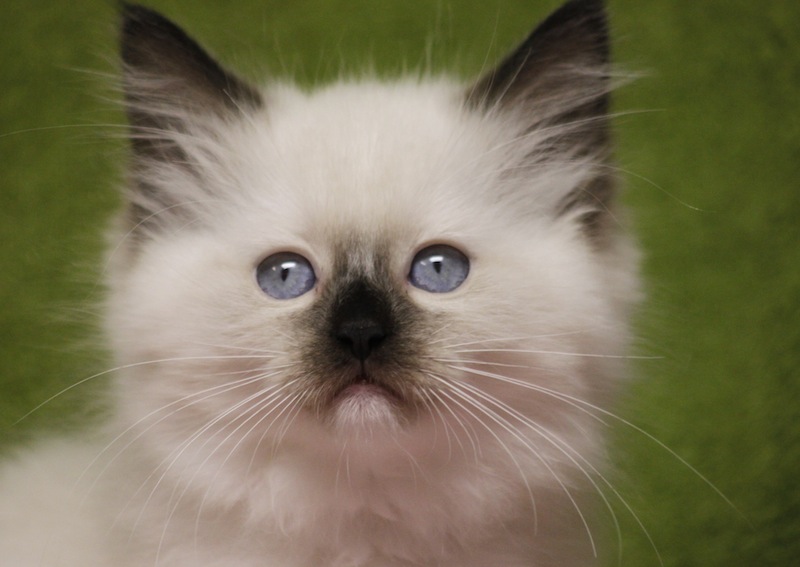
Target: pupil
{"points": [[285, 274]]}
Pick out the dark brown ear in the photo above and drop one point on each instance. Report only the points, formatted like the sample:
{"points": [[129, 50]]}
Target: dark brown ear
{"points": [[174, 91], [168, 76], [558, 81], [562, 64]]}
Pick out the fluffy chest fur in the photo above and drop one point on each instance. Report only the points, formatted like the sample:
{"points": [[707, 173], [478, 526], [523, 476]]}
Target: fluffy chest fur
{"points": [[371, 325]]}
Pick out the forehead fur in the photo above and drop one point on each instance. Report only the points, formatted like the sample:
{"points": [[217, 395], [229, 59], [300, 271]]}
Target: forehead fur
{"points": [[406, 161], [363, 156]]}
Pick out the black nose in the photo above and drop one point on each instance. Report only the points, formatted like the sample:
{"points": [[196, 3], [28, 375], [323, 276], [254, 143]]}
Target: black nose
{"points": [[361, 319], [361, 336]]}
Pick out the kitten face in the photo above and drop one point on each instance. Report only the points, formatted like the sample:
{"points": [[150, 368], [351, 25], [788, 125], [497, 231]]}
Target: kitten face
{"points": [[415, 261]]}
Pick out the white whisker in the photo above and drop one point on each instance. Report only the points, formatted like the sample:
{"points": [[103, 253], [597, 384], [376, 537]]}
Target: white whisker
{"points": [[506, 426], [534, 387], [253, 350], [587, 406], [192, 399], [514, 339], [557, 353], [446, 393], [125, 367], [173, 457], [284, 403], [481, 363], [469, 431], [578, 460], [254, 411]]}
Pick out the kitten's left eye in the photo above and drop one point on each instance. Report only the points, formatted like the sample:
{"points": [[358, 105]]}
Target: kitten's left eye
{"points": [[285, 275], [439, 269]]}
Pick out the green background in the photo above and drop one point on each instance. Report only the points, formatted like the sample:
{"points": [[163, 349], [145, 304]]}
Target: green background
{"points": [[711, 145]]}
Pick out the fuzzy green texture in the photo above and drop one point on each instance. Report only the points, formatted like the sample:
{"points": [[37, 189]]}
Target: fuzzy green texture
{"points": [[713, 184]]}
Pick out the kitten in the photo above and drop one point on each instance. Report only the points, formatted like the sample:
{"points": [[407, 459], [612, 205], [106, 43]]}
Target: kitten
{"points": [[370, 325]]}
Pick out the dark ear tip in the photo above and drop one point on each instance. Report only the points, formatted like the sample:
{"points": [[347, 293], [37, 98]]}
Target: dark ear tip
{"points": [[136, 18], [575, 35], [136, 21], [153, 47], [596, 8], [591, 14], [134, 15], [137, 13]]}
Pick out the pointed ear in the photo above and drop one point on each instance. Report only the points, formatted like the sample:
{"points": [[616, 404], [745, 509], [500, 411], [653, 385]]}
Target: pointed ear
{"points": [[174, 91], [561, 67], [557, 82], [168, 78]]}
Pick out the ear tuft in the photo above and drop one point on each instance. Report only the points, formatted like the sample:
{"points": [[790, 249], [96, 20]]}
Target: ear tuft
{"points": [[176, 95], [164, 69], [557, 83], [562, 63]]}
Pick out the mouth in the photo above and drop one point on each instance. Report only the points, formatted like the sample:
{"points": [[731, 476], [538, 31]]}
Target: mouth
{"points": [[365, 401], [364, 385]]}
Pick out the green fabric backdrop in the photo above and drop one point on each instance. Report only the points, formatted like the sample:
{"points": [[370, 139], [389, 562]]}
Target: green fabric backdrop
{"points": [[712, 151]]}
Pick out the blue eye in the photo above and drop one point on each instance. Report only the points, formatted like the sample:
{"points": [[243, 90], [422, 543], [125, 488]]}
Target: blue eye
{"points": [[285, 275], [438, 269]]}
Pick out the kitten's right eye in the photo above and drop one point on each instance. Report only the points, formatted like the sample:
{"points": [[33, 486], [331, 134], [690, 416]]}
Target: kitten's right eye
{"points": [[285, 275]]}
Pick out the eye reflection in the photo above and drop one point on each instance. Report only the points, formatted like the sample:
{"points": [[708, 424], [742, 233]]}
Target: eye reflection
{"points": [[439, 269], [285, 275]]}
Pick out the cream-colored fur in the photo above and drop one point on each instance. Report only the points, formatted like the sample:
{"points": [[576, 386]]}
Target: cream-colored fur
{"points": [[212, 459]]}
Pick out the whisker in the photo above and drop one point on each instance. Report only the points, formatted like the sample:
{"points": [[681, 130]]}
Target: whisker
{"points": [[589, 408], [534, 387], [172, 458], [501, 443], [254, 410], [37, 129], [126, 367], [482, 363], [434, 411], [296, 405], [559, 353], [503, 423], [199, 397], [440, 330], [577, 402], [254, 350], [573, 456], [469, 431], [515, 338], [285, 402]]}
